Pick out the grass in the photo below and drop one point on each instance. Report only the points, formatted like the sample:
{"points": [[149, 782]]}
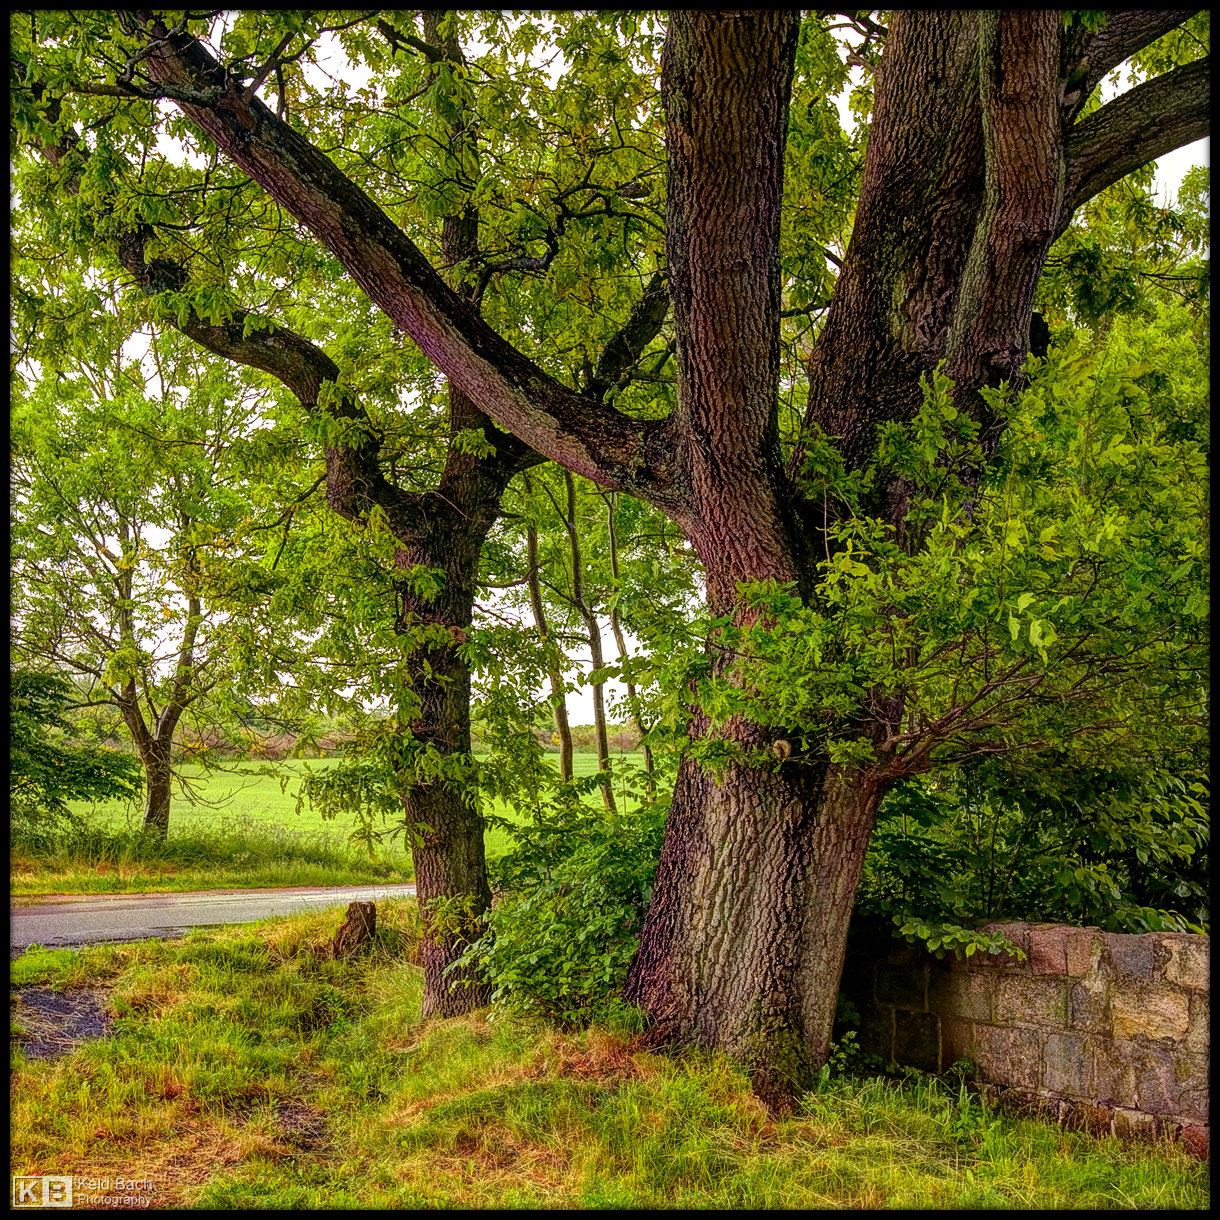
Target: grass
{"points": [[242, 831], [246, 1070]]}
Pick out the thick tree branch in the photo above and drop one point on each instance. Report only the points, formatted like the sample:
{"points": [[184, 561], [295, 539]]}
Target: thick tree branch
{"points": [[1149, 121], [1089, 56], [593, 440]]}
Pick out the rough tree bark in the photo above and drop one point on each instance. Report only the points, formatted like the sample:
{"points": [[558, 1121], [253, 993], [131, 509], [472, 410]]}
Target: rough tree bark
{"points": [[974, 164]]}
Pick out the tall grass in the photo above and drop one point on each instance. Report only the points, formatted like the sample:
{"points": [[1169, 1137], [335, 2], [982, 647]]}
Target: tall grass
{"points": [[234, 852]]}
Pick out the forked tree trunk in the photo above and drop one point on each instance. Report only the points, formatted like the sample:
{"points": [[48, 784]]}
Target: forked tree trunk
{"points": [[975, 162]]}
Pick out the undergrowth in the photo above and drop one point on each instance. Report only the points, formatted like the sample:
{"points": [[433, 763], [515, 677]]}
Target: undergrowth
{"points": [[246, 1069]]}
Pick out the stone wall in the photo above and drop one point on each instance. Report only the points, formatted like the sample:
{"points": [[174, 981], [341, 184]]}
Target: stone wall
{"points": [[1097, 1030]]}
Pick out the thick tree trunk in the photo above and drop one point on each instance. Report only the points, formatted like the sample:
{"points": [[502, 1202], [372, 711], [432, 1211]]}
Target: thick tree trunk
{"points": [[155, 755], [447, 828], [744, 942]]}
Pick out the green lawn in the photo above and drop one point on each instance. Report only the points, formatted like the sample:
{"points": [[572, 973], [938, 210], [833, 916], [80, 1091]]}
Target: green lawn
{"points": [[245, 1069], [238, 828]]}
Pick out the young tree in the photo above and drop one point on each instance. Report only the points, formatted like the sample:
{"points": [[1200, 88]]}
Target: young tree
{"points": [[975, 163], [45, 773], [124, 499]]}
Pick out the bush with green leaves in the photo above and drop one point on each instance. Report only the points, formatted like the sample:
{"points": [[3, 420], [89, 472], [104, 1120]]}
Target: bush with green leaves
{"points": [[47, 769], [573, 893], [1060, 844]]}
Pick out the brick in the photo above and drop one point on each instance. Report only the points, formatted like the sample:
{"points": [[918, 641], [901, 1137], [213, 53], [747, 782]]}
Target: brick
{"points": [[1134, 1125], [1150, 1012], [1048, 949], [903, 986], [1131, 955], [1115, 1078], [1082, 948], [1089, 1005], [961, 995], [956, 1041], [917, 1041], [1025, 1000], [1009, 1057], [1197, 1141], [1068, 1068], [1198, 1033], [1018, 933], [1189, 963]]}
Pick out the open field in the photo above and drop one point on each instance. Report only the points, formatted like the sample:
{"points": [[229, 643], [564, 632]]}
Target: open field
{"points": [[244, 1070], [236, 829]]}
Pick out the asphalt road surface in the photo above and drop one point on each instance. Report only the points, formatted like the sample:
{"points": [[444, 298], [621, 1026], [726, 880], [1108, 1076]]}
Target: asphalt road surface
{"points": [[66, 921]]}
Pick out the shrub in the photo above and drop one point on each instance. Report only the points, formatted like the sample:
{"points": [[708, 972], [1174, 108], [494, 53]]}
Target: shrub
{"points": [[560, 938]]}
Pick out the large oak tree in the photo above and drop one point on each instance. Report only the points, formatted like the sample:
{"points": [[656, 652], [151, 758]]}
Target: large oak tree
{"points": [[977, 157]]}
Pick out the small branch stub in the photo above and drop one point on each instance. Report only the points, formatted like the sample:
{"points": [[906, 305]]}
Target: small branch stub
{"points": [[358, 928], [781, 748]]}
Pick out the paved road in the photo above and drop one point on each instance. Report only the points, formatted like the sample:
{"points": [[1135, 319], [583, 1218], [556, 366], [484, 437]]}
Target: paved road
{"points": [[64, 921]]}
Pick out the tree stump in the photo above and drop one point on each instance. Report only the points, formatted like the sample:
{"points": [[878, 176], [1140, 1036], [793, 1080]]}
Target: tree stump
{"points": [[358, 927]]}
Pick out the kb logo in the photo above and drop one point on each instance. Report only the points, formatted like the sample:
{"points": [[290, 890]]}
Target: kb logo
{"points": [[45, 1191]]}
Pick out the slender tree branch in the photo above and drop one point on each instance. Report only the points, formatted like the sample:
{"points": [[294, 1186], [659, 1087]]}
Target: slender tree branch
{"points": [[619, 452]]}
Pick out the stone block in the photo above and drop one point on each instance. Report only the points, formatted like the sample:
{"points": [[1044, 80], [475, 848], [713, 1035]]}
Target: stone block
{"points": [[1082, 1116], [1131, 956], [1149, 1012], [1025, 1000], [1135, 1125], [1082, 949], [961, 995], [1191, 1080], [1024, 1103], [1089, 1005], [903, 986], [1008, 1057], [1067, 1066], [956, 1040], [1048, 948], [1197, 1141], [900, 953], [876, 1033], [917, 1040], [1115, 1076], [1189, 962], [1018, 933], [856, 982], [1198, 1038], [1158, 1087]]}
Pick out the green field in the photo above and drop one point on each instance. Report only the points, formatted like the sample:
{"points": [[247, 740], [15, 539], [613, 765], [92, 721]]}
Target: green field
{"points": [[237, 828]]}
